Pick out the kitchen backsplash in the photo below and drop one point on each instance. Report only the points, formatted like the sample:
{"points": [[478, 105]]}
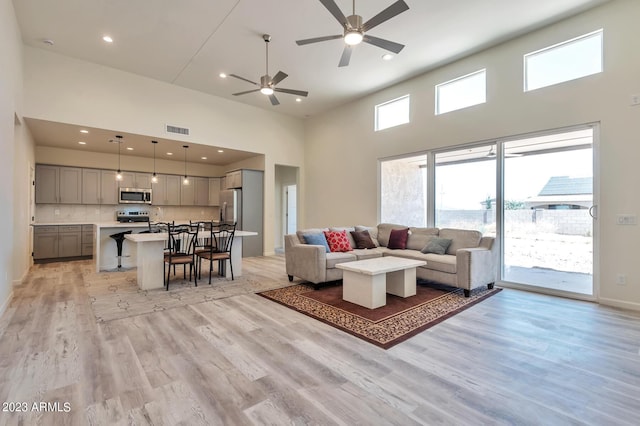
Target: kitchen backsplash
{"points": [[60, 213]]}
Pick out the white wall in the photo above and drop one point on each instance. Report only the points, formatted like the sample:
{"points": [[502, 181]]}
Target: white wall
{"points": [[59, 88], [341, 172], [17, 149]]}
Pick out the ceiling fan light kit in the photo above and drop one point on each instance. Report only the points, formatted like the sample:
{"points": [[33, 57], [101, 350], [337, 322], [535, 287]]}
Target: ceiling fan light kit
{"points": [[355, 30]]}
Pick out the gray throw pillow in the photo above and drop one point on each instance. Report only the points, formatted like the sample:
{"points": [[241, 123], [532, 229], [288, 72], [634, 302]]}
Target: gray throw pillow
{"points": [[437, 246]]}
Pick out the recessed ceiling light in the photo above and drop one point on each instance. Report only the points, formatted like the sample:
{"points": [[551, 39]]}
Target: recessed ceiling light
{"points": [[223, 75], [84, 131], [387, 56], [298, 100], [82, 143], [169, 153], [129, 148], [48, 41], [107, 39], [221, 150], [203, 158]]}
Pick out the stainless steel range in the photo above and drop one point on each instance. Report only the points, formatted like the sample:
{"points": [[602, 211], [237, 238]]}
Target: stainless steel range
{"points": [[132, 216]]}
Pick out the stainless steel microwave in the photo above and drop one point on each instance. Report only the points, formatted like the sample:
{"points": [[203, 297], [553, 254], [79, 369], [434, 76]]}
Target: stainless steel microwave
{"points": [[134, 196]]}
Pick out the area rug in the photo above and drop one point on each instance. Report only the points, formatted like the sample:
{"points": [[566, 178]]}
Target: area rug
{"points": [[116, 295], [386, 326]]}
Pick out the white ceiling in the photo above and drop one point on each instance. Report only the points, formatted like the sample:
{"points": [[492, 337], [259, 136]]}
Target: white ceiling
{"points": [[189, 42]]}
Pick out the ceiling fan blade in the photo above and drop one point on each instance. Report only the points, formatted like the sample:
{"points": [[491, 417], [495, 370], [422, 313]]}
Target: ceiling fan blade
{"points": [[274, 100], [384, 44], [318, 39], [279, 77], [346, 56], [244, 93], [393, 10], [292, 92], [244, 79], [333, 8]]}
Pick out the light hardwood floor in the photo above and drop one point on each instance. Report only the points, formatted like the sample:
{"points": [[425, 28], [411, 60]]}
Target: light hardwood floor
{"points": [[516, 358]]}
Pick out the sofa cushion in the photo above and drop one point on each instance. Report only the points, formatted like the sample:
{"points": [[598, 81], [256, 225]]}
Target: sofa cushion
{"points": [[348, 229], [362, 240], [338, 257], [362, 254], [338, 241], [373, 233], [384, 230], [398, 239], [461, 238], [300, 233], [316, 239], [437, 246], [437, 262], [419, 237]]}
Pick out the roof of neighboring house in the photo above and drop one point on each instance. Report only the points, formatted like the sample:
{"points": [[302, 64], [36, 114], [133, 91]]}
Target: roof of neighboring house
{"points": [[565, 185]]}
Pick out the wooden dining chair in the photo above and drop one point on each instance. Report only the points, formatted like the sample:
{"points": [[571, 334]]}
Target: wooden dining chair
{"points": [[220, 250], [181, 240]]}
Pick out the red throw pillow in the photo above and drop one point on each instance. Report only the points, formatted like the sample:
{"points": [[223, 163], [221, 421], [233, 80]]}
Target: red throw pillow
{"points": [[398, 239], [338, 240]]}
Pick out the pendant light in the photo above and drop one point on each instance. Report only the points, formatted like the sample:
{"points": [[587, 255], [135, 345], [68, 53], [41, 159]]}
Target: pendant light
{"points": [[185, 181], [154, 178], [119, 172]]}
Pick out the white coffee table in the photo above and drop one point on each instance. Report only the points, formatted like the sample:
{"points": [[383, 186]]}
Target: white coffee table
{"points": [[367, 282]]}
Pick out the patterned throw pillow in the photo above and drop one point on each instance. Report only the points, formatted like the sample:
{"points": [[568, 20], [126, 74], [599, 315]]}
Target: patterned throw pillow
{"points": [[398, 239], [338, 240]]}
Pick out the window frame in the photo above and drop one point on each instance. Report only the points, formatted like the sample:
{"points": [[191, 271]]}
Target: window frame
{"points": [[556, 46], [376, 126], [463, 77]]}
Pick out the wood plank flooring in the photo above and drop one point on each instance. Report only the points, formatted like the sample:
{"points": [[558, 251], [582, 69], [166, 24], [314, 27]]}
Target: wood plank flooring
{"points": [[516, 358]]}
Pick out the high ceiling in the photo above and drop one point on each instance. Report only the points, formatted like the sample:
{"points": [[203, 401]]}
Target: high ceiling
{"points": [[190, 42]]}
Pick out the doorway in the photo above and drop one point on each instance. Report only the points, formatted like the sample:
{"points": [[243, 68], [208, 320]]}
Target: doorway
{"points": [[286, 204], [547, 239]]}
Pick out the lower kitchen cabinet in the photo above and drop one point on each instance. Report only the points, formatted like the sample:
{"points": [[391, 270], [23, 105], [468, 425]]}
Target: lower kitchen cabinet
{"points": [[59, 241]]}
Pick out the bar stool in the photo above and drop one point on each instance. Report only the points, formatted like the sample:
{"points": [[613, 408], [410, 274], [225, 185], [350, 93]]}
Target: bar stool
{"points": [[119, 238]]}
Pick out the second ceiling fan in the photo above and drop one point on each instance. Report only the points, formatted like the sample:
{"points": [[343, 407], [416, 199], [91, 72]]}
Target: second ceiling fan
{"points": [[355, 30], [267, 83]]}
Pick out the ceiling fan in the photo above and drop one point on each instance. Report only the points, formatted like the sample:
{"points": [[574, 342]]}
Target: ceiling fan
{"points": [[355, 30], [492, 154], [267, 83]]}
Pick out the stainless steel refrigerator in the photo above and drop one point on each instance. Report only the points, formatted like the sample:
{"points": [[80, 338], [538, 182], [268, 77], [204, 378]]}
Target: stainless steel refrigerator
{"points": [[245, 207]]}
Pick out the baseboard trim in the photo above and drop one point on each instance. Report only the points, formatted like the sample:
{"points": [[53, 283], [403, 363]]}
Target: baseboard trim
{"points": [[620, 304], [6, 303], [269, 253]]}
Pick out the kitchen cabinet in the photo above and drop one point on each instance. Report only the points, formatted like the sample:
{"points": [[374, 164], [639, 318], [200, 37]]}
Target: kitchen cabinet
{"points": [[87, 240], [62, 185], [214, 191], [196, 193], [234, 179], [99, 187], [135, 180], [50, 242], [167, 191]]}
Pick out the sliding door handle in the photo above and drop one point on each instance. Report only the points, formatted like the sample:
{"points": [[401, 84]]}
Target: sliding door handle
{"points": [[593, 211]]}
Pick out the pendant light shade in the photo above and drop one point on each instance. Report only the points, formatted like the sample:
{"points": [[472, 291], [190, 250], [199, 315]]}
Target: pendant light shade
{"points": [[119, 172], [154, 177], [185, 181]]}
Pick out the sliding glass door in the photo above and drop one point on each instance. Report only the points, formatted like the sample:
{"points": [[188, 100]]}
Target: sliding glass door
{"points": [[548, 229]]}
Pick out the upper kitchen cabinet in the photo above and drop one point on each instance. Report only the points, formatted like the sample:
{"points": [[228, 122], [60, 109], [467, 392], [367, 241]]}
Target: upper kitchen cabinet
{"points": [[214, 191], [135, 180], [99, 187], [234, 179], [196, 193], [56, 184], [167, 191]]}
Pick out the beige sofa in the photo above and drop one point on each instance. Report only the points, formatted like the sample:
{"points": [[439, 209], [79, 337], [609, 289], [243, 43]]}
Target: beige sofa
{"points": [[470, 261]]}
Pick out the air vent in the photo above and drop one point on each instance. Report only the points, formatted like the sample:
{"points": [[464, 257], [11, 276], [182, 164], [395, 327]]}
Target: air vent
{"points": [[178, 130]]}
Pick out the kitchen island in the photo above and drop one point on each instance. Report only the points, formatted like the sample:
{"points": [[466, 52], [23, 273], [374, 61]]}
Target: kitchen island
{"points": [[150, 258]]}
